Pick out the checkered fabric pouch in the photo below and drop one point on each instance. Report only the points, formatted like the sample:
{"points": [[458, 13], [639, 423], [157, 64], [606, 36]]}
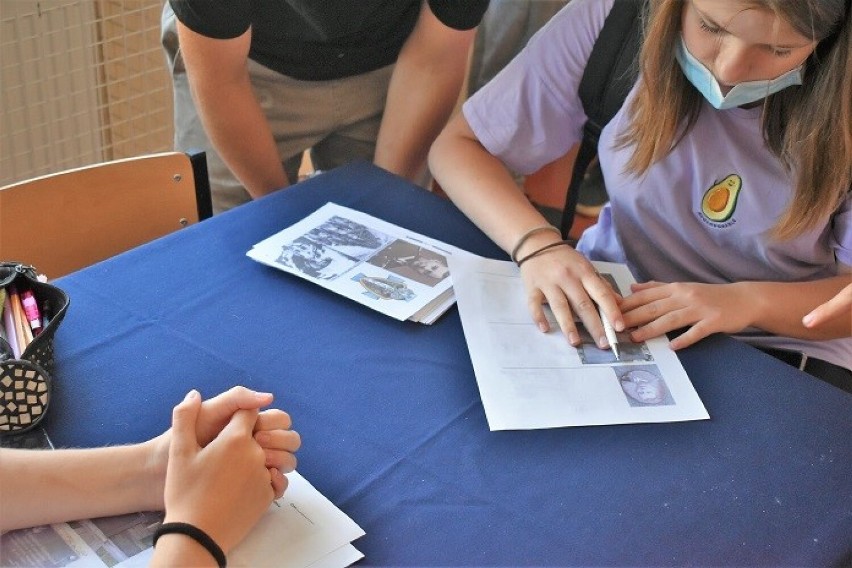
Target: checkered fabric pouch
{"points": [[25, 382]]}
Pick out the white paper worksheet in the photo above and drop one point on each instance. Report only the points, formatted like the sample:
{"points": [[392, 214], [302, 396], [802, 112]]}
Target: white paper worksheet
{"points": [[378, 264], [301, 530], [528, 379]]}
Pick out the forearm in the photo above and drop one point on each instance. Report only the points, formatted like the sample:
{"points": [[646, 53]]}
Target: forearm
{"points": [[221, 88], [779, 306], [422, 94], [239, 131], [481, 187], [39, 486]]}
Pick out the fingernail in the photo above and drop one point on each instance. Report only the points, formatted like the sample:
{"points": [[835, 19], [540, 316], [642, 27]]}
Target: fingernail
{"points": [[619, 325], [808, 319], [542, 327], [573, 338], [191, 395], [602, 343], [262, 395]]}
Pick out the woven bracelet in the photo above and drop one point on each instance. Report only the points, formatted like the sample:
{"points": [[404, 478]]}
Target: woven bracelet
{"points": [[543, 249], [197, 535], [527, 235]]}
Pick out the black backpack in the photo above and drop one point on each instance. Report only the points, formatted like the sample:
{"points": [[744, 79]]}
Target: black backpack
{"points": [[609, 75]]}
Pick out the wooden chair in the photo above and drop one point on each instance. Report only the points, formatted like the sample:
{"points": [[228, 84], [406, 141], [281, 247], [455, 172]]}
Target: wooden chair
{"points": [[65, 221]]}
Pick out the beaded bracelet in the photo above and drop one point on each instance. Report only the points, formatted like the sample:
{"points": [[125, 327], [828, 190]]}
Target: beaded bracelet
{"points": [[527, 235], [197, 535], [543, 249]]}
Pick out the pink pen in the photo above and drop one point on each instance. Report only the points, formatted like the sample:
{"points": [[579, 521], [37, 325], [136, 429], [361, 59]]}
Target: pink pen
{"points": [[31, 311]]}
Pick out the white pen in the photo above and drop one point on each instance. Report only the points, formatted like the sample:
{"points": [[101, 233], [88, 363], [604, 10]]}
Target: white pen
{"points": [[611, 338]]}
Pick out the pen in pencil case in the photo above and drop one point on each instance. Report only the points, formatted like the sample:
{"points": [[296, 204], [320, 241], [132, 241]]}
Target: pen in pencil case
{"points": [[6, 351], [45, 314], [22, 329], [9, 326], [31, 311]]}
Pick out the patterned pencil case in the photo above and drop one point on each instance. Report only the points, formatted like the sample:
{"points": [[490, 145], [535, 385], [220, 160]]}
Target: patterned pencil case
{"points": [[26, 369]]}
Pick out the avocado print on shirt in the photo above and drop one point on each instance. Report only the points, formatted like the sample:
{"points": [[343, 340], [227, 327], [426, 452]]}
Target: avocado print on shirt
{"points": [[720, 200]]}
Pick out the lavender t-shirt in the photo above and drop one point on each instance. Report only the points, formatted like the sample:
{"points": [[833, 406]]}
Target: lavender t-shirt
{"points": [[702, 214]]}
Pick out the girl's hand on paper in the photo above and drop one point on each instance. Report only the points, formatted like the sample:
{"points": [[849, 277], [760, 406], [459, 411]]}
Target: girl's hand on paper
{"points": [[656, 308], [566, 281], [224, 487]]}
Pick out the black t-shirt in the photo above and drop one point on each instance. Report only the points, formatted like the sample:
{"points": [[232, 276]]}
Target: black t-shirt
{"points": [[322, 39]]}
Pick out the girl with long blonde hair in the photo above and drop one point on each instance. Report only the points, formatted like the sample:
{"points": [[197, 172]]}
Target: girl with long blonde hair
{"points": [[729, 171]]}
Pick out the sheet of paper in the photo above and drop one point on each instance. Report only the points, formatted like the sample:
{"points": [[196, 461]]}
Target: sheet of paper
{"points": [[304, 529], [380, 265], [87, 543], [343, 556], [528, 379]]}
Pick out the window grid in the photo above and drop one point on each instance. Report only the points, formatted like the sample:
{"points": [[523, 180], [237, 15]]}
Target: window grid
{"points": [[81, 81]]}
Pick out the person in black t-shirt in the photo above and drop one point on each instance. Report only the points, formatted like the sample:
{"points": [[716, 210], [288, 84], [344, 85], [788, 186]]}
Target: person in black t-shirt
{"points": [[257, 82]]}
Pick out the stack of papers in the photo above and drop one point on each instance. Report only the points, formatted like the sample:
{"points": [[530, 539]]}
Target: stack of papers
{"points": [[378, 264], [528, 379], [302, 529]]}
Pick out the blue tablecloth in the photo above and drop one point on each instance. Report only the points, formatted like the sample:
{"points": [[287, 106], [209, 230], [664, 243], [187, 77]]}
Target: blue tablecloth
{"points": [[393, 428]]}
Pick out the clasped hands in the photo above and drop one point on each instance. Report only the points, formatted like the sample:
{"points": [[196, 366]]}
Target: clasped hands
{"points": [[224, 461]]}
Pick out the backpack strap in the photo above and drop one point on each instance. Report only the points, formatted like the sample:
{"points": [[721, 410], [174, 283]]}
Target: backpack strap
{"points": [[607, 79]]}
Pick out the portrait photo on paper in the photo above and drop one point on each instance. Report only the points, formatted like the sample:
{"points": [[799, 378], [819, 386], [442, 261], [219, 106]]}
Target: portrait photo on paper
{"points": [[412, 261], [643, 385]]}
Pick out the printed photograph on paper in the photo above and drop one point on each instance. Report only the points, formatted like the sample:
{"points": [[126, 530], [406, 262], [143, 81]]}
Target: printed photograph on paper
{"points": [[643, 385], [390, 288], [611, 280], [349, 237], [37, 546], [412, 261], [591, 354], [314, 259], [118, 538], [105, 541], [380, 265]]}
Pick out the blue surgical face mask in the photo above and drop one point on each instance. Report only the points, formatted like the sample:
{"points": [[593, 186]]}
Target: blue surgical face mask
{"points": [[742, 93]]}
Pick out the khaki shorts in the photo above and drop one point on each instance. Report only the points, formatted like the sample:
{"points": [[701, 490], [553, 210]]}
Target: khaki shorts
{"points": [[337, 121]]}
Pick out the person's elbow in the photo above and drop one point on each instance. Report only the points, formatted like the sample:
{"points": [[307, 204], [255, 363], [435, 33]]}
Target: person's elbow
{"points": [[437, 150], [452, 139]]}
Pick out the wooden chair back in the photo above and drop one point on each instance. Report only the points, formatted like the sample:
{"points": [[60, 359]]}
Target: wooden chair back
{"points": [[65, 221]]}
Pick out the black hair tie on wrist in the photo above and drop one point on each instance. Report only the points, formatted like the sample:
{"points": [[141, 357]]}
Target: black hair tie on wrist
{"points": [[197, 535], [545, 248]]}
